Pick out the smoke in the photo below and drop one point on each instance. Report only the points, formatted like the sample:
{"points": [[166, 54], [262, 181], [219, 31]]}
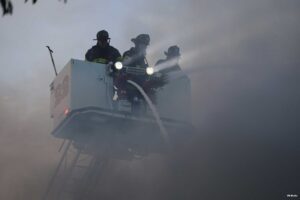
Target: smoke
{"points": [[27, 151], [243, 61]]}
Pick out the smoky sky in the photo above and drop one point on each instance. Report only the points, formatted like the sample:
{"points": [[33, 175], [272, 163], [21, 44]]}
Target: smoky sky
{"points": [[243, 61]]}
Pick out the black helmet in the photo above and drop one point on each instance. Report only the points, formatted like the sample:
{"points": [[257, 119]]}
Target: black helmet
{"points": [[141, 39], [102, 35], [173, 51]]}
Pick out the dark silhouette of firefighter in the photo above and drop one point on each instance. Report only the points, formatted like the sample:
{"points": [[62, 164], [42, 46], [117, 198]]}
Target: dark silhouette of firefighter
{"points": [[139, 71], [170, 63], [102, 52], [136, 56]]}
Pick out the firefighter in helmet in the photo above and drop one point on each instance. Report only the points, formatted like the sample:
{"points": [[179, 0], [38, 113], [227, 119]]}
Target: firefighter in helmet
{"points": [[102, 52], [136, 56], [170, 63]]}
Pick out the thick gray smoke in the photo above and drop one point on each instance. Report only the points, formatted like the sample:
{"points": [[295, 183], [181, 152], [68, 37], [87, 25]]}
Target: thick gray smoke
{"points": [[243, 61], [26, 149]]}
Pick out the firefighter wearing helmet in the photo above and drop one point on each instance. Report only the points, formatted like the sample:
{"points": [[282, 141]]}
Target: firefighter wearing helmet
{"points": [[102, 52], [136, 56], [170, 63]]}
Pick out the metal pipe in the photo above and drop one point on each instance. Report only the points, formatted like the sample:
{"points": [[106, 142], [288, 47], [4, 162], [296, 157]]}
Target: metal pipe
{"points": [[50, 51]]}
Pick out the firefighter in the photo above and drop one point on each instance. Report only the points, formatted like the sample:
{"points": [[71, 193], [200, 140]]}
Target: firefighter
{"points": [[170, 63], [136, 56], [102, 52]]}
